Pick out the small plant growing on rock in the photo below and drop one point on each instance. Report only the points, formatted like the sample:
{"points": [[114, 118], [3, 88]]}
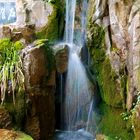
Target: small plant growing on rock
{"points": [[11, 76], [126, 116]]}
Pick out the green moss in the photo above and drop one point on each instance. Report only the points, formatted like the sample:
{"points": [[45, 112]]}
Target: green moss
{"points": [[97, 34], [113, 125], [112, 92], [22, 136], [54, 27]]}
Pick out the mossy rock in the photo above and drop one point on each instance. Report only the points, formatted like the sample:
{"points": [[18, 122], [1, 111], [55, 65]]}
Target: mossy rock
{"points": [[53, 29], [113, 125], [111, 90]]}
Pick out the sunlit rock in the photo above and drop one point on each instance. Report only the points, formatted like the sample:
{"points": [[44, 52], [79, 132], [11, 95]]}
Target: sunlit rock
{"points": [[35, 19], [9, 135], [33, 12]]}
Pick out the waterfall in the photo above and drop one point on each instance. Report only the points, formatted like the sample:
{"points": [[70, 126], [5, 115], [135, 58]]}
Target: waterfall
{"points": [[70, 17], [78, 94]]}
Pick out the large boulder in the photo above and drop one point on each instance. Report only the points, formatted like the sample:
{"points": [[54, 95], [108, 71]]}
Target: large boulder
{"points": [[39, 70]]}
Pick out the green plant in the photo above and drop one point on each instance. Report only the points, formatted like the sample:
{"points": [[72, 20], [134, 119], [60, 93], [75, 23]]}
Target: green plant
{"points": [[126, 116], [11, 75]]}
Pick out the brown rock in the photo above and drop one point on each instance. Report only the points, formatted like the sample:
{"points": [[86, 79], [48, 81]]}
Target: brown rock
{"points": [[40, 86], [13, 135], [5, 119], [32, 127], [35, 67], [28, 33], [7, 32], [52, 79], [61, 58], [16, 36], [8, 135]]}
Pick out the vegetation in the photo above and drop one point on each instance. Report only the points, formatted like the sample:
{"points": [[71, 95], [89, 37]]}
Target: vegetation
{"points": [[11, 75], [53, 29], [113, 125]]}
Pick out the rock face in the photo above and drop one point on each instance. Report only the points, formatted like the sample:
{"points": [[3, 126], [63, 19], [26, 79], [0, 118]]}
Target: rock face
{"points": [[33, 11], [40, 85], [120, 21], [113, 41]]}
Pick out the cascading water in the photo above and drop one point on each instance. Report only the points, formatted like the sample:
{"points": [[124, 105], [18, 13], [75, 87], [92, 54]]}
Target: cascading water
{"points": [[78, 94], [70, 17]]}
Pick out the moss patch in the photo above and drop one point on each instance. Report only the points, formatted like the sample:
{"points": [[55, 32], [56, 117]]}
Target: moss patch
{"points": [[111, 90], [113, 125]]}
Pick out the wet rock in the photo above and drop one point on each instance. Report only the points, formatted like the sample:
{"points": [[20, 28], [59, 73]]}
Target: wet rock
{"points": [[10, 135], [61, 58]]}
